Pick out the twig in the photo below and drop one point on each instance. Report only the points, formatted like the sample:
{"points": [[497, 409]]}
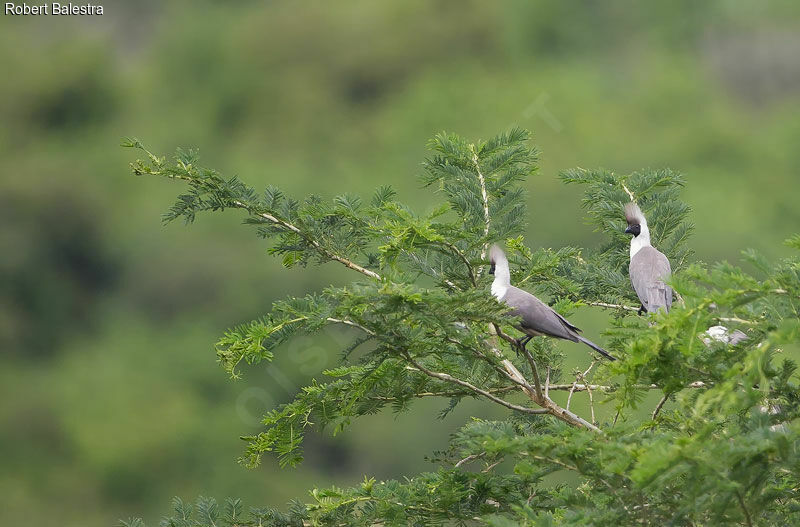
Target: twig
{"points": [[547, 383], [420, 395], [571, 391], [628, 192], [534, 371], [432, 272], [485, 201], [490, 467], [588, 388], [530, 498], [579, 471], [537, 387], [660, 405], [352, 324], [606, 388], [746, 513], [449, 378], [736, 320], [314, 243], [470, 458], [463, 259], [505, 372], [613, 306], [511, 370]]}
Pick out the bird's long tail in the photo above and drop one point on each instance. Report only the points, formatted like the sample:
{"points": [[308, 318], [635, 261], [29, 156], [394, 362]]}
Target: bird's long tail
{"points": [[597, 348]]}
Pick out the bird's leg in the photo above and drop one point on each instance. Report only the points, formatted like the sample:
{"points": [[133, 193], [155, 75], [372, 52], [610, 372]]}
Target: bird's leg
{"points": [[642, 310], [523, 341]]}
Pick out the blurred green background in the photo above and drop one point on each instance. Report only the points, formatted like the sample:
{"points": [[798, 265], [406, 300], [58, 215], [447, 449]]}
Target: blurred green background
{"points": [[111, 398]]}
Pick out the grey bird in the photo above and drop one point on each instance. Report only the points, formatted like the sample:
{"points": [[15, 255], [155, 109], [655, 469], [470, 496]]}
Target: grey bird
{"points": [[649, 267], [537, 317]]}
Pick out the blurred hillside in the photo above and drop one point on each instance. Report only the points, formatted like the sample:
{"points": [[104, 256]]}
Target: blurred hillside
{"points": [[111, 399]]}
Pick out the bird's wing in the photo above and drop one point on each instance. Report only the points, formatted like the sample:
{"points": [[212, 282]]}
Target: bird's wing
{"points": [[538, 317], [648, 269]]}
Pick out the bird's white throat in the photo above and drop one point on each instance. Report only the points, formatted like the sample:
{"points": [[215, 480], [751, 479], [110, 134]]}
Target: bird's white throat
{"points": [[499, 290], [643, 240], [502, 279]]}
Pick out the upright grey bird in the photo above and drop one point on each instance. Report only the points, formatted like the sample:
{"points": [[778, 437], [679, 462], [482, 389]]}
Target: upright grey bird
{"points": [[649, 267], [537, 317]]}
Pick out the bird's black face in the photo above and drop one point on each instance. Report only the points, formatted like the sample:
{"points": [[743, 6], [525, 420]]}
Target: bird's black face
{"points": [[491, 269], [634, 229]]}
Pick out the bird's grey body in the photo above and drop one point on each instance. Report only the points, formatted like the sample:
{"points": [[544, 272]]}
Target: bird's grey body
{"points": [[537, 317], [649, 268]]}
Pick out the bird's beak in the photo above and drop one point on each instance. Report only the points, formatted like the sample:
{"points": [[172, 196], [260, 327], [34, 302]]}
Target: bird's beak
{"points": [[491, 269], [629, 230]]}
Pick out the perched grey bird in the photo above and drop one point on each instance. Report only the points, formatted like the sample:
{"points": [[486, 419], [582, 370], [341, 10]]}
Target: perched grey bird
{"points": [[649, 267], [537, 317]]}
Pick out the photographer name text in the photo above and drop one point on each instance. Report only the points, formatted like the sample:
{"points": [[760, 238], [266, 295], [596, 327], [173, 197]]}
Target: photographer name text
{"points": [[52, 9]]}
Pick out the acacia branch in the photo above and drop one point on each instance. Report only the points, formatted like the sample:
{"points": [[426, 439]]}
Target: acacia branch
{"points": [[453, 380], [516, 379], [314, 243], [536, 395], [420, 395], [327, 253], [512, 370]]}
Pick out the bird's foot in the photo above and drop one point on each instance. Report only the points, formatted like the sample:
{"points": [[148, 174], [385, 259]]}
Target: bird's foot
{"points": [[521, 343]]}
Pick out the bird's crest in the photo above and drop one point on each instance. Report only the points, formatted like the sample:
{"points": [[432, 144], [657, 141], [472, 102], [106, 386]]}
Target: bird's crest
{"points": [[633, 214], [496, 254]]}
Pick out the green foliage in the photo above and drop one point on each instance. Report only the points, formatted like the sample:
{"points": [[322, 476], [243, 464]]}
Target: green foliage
{"points": [[720, 448]]}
